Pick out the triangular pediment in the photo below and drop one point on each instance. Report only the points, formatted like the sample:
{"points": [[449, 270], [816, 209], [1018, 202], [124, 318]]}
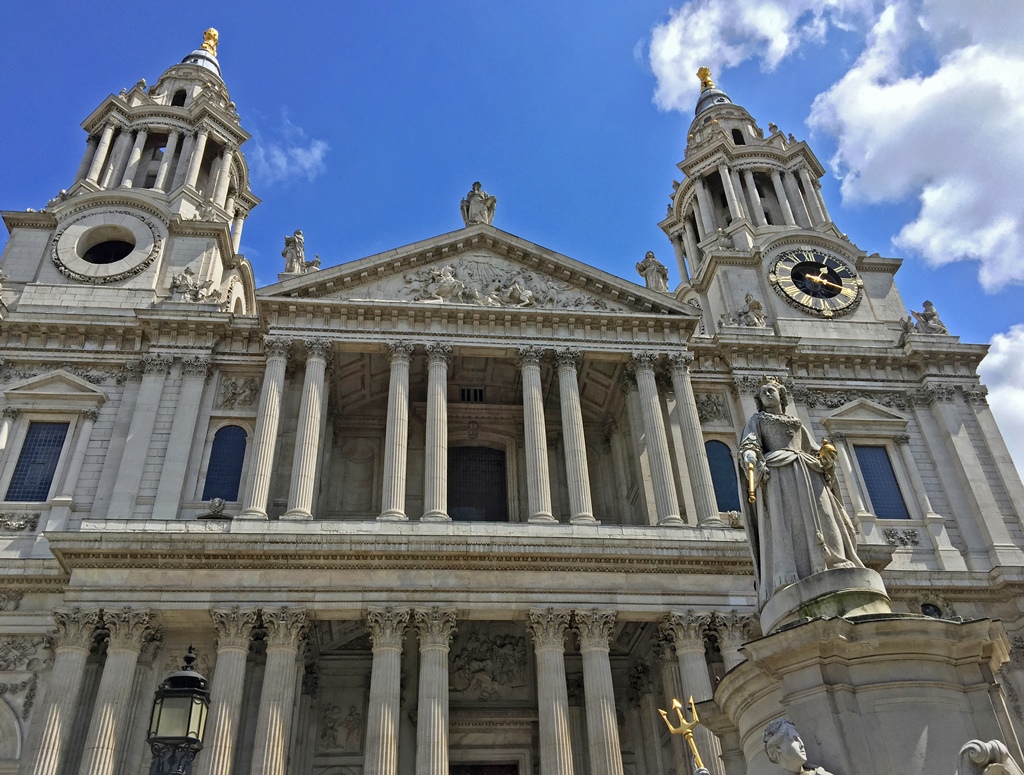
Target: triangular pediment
{"points": [[863, 413], [479, 266], [57, 386]]}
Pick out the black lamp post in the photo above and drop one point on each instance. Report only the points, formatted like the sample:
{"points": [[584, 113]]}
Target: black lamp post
{"points": [[179, 719]]}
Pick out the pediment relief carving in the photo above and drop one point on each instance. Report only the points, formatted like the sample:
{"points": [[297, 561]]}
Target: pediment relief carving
{"points": [[481, 279]]}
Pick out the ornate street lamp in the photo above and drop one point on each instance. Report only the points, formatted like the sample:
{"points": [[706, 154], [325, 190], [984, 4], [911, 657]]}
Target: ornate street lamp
{"points": [[179, 719]]}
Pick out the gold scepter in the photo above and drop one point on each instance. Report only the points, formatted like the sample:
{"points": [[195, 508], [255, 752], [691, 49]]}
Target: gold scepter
{"points": [[685, 728], [751, 488]]}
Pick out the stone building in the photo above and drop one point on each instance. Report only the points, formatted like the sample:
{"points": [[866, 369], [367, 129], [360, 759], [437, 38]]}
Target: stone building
{"points": [[466, 506]]}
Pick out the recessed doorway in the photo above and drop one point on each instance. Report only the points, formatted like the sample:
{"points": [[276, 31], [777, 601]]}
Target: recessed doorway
{"points": [[477, 489]]}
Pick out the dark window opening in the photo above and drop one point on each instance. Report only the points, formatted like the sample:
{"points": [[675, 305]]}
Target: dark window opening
{"points": [[880, 480], [932, 610], [108, 252], [37, 461], [224, 471], [484, 769], [471, 395], [723, 475], [737, 137], [476, 485], [178, 100], [768, 218]]}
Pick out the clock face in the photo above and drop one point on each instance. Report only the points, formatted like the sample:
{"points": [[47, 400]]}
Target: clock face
{"points": [[816, 282]]}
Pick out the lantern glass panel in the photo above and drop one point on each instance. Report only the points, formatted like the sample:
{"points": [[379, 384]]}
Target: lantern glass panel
{"points": [[197, 722], [173, 720]]}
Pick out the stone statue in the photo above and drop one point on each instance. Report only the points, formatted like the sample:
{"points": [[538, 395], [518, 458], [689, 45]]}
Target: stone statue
{"points": [[784, 747], [478, 207], [190, 289], [928, 321], [294, 255], [752, 313], [654, 273], [795, 521]]}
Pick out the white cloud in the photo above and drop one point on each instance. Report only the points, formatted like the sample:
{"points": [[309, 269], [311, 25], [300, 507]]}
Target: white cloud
{"points": [[1003, 372], [286, 155]]}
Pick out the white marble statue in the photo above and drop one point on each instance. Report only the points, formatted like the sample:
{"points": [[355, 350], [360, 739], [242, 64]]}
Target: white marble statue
{"points": [[928, 321], [294, 255], [784, 747], [795, 522], [654, 273], [751, 314], [478, 207]]}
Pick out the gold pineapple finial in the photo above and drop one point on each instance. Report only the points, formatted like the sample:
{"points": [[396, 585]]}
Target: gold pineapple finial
{"points": [[685, 728], [705, 78], [210, 39]]}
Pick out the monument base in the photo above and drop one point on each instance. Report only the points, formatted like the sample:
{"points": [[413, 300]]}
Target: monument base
{"points": [[840, 592], [874, 695]]}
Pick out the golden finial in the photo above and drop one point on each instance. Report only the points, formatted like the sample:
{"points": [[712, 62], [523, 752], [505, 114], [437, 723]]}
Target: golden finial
{"points": [[210, 38], [705, 79], [685, 728]]}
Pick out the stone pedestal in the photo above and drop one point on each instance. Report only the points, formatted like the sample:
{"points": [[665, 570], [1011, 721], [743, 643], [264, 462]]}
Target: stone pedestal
{"points": [[840, 592], [872, 695]]}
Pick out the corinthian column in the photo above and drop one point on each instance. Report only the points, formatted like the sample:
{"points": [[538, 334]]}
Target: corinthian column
{"points": [[594, 628], [173, 136], [387, 630], [234, 631], [257, 488], [576, 472], [780, 194], [100, 155], [693, 442], [75, 629], [538, 482], [192, 175], [435, 466], [733, 629], [668, 665], [286, 630], [105, 742], [396, 440], [548, 628], [141, 136], [665, 500], [435, 628], [687, 631], [307, 434]]}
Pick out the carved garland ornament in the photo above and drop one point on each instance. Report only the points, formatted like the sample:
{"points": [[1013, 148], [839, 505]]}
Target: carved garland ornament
{"points": [[63, 250]]}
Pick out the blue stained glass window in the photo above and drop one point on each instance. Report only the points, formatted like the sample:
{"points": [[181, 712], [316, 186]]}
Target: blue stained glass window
{"points": [[723, 475], [880, 479], [224, 471], [37, 462]]}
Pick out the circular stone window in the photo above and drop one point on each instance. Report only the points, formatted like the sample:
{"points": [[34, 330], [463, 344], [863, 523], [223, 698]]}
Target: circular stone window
{"points": [[105, 244], [105, 247]]}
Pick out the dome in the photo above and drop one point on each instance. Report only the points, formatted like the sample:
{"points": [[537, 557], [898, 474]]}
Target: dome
{"points": [[709, 98]]}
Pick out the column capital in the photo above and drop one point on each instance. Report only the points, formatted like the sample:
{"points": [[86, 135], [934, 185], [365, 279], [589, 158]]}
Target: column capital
{"points": [[529, 356], [594, 628], [234, 626], [156, 364], [399, 352], [687, 630], [276, 346], [841, 436], [439, 352], [643, 360], [548, 627], [435, 626], [734, 628], [195, 366], [681, 361], [90, 415], [568, 357], [75, 628], [11, 412], [286, 627], [130, 628], [900, 438], [664, 645], [317, 348], [387, 626]]}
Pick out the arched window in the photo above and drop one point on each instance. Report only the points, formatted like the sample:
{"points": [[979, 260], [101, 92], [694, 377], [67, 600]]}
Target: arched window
{"points": [[723, 475], [178, 100], [224, 471], [737, 137]]}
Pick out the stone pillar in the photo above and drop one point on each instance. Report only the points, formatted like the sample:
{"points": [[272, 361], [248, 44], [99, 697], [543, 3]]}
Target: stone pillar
{"points": [[194, 371], [641, 691], [182, 162], [9, 415], [435, 628], [577, 723], [665, 650], [693, 442], [755, 198], [89, 417], [435, 465], [307, 434], [134, 158], [548, 628], [594, 628], [780, 194], [387, 630], [286, 630], [111, 714], [796, 200], [666, 502], [56, 714], [99, 157], [698, 218], [577, 473], [236, 229], [838, 440], [811, 197], [264, 441], [680, 250], [164, 171], [737, 186], [707, 210], [234, 630], [196, 159], [396, 441], [538, 480], [687, 631], [693, 254], [220, 192], [730, 192], [90, 151], [924, 504], [734, 629]]}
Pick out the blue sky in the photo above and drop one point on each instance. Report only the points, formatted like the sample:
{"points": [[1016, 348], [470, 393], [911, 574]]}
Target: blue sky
{"points": [[371, 120]]}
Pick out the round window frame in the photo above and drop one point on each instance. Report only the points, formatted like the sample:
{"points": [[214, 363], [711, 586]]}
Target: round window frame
{"points": [[66, 242]]}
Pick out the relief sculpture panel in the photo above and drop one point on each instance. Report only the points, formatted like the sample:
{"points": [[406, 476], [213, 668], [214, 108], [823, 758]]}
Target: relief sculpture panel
{"points": [[489, 663]]}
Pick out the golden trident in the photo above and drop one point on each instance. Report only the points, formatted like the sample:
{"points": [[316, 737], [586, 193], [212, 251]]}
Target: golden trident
{"points": [[685, 728]]}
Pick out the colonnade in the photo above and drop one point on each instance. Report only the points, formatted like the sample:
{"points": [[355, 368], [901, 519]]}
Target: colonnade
{"points": [[308, 437], [680, 647]]}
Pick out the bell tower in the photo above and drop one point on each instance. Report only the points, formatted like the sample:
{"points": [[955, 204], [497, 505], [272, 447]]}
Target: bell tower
{"points": [[156, 209]]}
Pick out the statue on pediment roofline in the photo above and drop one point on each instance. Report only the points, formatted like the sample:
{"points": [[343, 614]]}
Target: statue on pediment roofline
{"points": [[294, 255], [654, 273], [795, 520], [478, 206], [928, 321]]}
